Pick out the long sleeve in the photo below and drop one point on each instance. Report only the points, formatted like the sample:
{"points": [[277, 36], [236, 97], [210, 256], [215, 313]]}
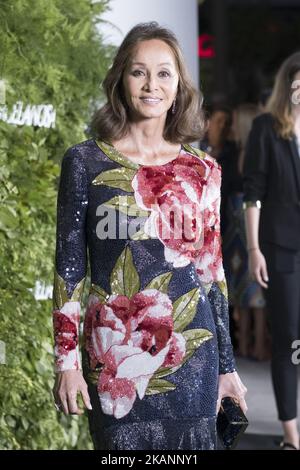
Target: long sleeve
{"points": [[210, 270], [70, 260], [256, 164]]}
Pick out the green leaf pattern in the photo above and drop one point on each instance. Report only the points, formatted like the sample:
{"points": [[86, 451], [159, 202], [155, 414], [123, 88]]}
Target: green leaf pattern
{"points": [[159, 386], [124, 278], [160, 282], [116, 156], [60, 294], [184, 309], [119, 178]]}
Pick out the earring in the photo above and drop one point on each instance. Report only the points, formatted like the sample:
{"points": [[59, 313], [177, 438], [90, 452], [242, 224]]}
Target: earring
{"points": [[174, 106]]}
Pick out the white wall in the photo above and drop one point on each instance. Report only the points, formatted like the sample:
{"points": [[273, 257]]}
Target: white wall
{"points": [[181, 16]]}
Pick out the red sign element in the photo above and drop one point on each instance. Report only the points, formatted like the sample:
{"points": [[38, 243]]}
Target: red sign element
{"points": [[206, 46]]}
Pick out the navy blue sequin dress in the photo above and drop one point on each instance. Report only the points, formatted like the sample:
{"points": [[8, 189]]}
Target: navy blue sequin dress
{"points": [[155, 335]]}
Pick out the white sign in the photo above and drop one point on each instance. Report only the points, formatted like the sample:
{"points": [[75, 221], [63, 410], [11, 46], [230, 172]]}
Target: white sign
{"points": [[40, 115], [2, 352], [42, 291], [2, 91]]}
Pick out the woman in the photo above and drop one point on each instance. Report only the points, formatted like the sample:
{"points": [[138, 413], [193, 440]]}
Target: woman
{"points": [[272, 202], [156, 344], [244, 294], [217, 144]]}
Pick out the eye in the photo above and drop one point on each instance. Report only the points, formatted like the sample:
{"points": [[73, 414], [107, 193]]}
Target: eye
{"points": [[164, 74], [137, 73]]}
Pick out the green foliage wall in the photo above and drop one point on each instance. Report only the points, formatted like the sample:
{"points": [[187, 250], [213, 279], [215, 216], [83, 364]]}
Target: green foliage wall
{"points": [[50, 52]]}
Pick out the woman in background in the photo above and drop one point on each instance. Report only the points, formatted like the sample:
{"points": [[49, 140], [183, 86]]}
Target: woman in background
{"points": [[272, 205], [245, 295], [218, 145]]}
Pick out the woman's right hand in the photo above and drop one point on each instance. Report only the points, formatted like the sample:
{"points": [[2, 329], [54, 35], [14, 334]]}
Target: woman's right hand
{"points": [[68, 385], [258, 267]]}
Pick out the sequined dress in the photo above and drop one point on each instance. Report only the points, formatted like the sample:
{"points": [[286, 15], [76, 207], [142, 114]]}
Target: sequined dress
{"points": [[155, 330]]}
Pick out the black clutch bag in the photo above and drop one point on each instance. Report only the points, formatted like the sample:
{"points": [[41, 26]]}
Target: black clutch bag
{"points": [[231, 423]]}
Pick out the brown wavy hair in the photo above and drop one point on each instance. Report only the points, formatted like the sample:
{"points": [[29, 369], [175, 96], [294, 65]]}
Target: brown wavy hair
{"points": [[280, 101], [110, 122]]}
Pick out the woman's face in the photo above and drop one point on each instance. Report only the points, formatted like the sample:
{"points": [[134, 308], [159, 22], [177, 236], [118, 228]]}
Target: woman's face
{"points": [[150, 80]]}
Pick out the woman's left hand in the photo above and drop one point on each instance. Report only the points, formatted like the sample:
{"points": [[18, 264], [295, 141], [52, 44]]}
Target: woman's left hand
{"points": [[230, 385]]}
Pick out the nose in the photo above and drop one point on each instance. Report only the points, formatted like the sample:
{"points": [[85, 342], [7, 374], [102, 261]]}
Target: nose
{"points": [[151, 83]]}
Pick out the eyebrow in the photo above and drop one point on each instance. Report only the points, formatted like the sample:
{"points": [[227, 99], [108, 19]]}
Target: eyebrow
{"points": [[144, 65]]}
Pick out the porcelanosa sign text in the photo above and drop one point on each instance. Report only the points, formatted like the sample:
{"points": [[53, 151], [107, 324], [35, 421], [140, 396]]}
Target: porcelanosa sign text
{"points": [[40, 115]]}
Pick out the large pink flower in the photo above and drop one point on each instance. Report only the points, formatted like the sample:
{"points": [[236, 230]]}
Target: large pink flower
{"points": [[177, 194], [127, 372], [131, 338]]}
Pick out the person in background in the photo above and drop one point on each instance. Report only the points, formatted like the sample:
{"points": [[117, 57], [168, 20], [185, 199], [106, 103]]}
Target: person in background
{"points": [[263, 99], [245, 295], [216, 142], [272, 211]]}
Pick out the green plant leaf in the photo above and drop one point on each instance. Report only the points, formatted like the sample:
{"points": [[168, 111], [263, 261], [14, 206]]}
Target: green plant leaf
{"points": [[124, 279], [11, 421], [185, 308], [58, 48], [8, 219], [25, 423]]}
